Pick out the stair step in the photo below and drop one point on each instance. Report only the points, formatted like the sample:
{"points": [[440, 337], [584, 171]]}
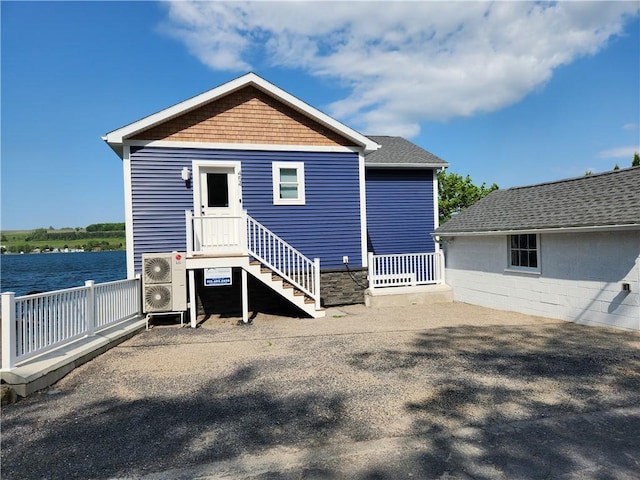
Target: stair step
{"points": [[308, 301]]}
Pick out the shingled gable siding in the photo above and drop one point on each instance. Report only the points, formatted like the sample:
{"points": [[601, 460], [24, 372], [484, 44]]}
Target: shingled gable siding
{"points": [[400, 217], [246, 116], [327, 226]]}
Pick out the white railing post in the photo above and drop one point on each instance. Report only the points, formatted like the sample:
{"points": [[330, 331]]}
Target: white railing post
{"points": [[316, 282], [244, 233], [139, 294], [91, 307], [189, 224], [371, 270], [441, 280], [8, 330]]}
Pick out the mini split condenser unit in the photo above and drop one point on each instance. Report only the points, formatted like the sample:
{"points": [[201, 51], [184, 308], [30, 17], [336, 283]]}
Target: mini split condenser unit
{"points": [[164, 282]]}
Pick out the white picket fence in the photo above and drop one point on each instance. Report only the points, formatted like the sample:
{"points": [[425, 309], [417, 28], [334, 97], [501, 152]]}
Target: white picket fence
{"points": [[408, 269], [35, 324]]}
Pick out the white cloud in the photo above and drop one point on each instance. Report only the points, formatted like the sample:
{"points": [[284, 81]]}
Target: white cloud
{"points": [[404, 62], [619, 152], [631, 127]]}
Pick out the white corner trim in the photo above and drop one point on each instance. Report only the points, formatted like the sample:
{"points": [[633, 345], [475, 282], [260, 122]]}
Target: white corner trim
{"points": [[436, 209], [128, 213], [363, 210]]}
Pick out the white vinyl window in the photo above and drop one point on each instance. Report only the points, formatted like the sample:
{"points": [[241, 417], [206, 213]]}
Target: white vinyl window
{"points": [[524, 251], [288, 183]]}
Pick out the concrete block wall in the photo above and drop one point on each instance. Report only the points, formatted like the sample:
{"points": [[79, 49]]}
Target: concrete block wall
{"points": [[580, 279]]}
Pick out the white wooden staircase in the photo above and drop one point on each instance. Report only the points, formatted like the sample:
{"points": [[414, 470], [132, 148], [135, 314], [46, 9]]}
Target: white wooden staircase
{"points": [[284, 288], [243, 242]]}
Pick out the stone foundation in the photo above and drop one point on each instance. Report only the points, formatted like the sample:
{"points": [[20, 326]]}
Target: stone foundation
{"points": [[343, 287]]}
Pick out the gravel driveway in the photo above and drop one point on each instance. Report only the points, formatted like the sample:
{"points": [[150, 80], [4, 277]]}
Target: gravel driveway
{"points": [[445, 391]]}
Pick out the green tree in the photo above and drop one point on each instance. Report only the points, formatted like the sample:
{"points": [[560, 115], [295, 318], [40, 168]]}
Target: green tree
{"points": [[636, 160], [456, 193]]}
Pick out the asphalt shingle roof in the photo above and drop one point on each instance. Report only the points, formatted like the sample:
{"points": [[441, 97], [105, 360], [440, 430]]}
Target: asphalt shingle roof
{"points": [[605, 199], [397, 150]]}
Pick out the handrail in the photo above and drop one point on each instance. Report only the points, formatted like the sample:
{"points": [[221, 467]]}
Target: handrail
{"points": [[287, 262]]}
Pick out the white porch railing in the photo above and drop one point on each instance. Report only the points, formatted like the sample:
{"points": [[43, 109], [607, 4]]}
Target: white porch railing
{"points": [[243, 235], [216, 235], [35, 324], [408, 269]]}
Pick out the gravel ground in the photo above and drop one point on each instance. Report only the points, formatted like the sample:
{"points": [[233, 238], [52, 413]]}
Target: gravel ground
{"points": [[445, 391]]}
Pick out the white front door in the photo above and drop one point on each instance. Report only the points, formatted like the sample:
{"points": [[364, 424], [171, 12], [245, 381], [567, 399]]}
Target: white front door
{"points": [[218, 205], [219, 191]]}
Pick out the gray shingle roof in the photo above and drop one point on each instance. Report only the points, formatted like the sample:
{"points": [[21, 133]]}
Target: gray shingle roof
{"points": [[398, 151], [601, 200]]}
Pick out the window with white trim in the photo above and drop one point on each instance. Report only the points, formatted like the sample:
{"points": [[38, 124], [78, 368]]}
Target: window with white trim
{"points": [[524, 252], [288, 183]]}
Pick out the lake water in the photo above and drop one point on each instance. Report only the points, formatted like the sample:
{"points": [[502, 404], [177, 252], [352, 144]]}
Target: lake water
{"points": [[54, 271]]}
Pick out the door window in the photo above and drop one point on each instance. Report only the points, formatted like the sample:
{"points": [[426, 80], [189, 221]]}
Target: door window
{"points": [[217, 190]]}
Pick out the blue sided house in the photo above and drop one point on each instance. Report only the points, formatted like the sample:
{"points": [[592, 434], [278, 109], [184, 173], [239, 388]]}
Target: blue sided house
{"points": [[266, 199]]}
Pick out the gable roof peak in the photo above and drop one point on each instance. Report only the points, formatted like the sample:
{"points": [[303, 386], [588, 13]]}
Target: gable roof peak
{"points": [[116, 138]]}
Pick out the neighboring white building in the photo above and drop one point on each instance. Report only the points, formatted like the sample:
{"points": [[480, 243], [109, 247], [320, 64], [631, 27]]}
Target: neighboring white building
{"points": [[568, 249]]}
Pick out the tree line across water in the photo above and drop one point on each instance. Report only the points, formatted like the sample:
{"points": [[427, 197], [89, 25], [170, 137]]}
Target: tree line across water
{"points": [[98, 236]]}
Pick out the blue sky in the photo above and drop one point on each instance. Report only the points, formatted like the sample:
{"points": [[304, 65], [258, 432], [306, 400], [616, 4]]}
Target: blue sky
{"points": [[511, 92]]}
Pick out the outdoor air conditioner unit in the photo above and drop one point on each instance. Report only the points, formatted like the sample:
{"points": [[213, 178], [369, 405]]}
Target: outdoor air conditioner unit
{"points": [[164, 282]]}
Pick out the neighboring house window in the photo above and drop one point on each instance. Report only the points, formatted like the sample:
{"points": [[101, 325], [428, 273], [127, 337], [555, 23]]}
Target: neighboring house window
{"points": [[288, 183], [523, 251]]}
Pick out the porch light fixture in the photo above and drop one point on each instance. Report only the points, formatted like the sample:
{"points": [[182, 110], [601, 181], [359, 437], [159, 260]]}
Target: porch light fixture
{"points": [[186, 176]]}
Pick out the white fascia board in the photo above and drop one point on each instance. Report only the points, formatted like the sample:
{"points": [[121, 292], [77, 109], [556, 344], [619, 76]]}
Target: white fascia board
{"points": [[437, 166], [243, 146], [118, 136], [592, 229]]}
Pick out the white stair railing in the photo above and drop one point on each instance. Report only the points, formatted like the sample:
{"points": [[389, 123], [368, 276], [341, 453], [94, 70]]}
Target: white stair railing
{"points": [[243, 235], [409, 269], [287, 262]]}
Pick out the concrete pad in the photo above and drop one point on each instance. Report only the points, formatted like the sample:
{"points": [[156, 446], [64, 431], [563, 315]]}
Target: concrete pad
{"points": [[405, 296], [44, 370]]}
